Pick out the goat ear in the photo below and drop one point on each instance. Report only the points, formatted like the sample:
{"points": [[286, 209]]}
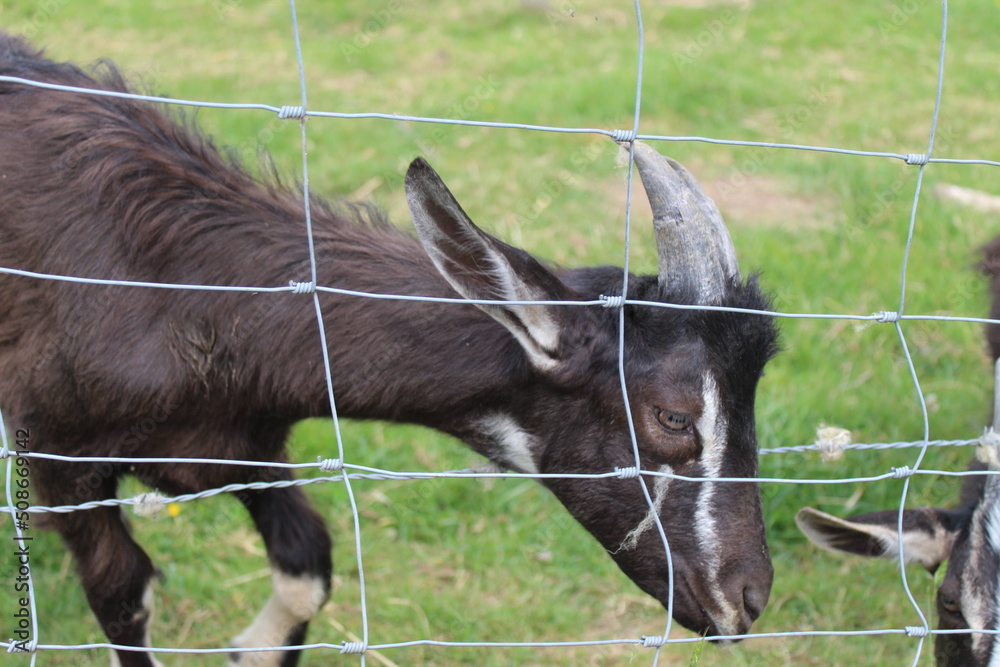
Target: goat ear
{"points": [[479, 266], [928, 533]]}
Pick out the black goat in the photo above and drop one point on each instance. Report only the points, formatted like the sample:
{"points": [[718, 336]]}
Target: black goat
{"points": [[104, 187], [968, 537]]}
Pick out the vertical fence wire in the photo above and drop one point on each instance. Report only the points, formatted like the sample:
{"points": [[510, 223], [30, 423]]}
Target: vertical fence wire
{"points": [[621, 334], [355, 515], [924, 624]]}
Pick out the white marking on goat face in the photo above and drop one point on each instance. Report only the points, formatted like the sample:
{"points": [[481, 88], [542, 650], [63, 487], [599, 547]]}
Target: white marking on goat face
{"points": [[515, 445], [993, 537], [981, 603], [295, 600], [713, 430]]}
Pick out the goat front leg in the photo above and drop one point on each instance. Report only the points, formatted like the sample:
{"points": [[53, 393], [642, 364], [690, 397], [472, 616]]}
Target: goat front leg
{"points": [[298, 547], [117, 577]]}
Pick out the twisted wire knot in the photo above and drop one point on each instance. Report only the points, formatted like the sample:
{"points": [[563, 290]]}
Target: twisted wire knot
{"points": [[21, 647], [149, 505], [886, 316], [623, 135], [330, 465], [917, 631], [614, 301], [900, 473], [4, 453], [988, 448], [353, 647], [289, 111], [989, 438], [653, 641], [307, 287], [916, 158], [629, 472]]}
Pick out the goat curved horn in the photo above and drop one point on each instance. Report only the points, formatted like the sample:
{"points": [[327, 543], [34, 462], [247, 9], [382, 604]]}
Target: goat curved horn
{"points": [[694, 249]]}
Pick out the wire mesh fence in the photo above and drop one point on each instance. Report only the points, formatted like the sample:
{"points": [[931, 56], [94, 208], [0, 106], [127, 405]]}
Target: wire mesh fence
{"points": [[345, 468]]}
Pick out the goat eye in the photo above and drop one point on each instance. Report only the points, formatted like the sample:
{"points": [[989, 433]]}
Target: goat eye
{"points": [[948, 604], [673, 421]]}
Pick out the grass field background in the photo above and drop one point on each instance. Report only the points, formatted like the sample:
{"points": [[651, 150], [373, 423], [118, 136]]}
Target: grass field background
{"points": [[501, 560]]}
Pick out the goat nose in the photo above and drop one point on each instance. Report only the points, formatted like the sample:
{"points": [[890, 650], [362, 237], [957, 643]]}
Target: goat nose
{"points": [[755, 599], [755, 586]]}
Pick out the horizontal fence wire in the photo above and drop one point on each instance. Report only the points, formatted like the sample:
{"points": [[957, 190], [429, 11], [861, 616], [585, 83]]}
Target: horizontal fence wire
{"points": [[613, 301], [285, 112], [345, 472], [148, 503]]}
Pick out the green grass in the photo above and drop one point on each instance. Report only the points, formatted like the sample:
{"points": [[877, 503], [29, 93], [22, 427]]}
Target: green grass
{"points": [[501, 560]]}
